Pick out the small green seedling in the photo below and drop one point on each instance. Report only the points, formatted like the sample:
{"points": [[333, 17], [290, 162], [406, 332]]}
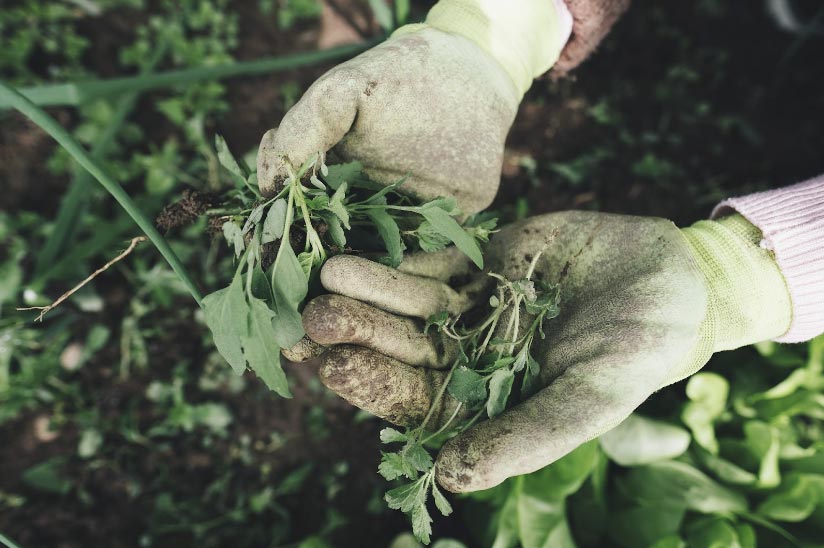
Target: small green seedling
{"points": [[491, 354], [319, 211]]}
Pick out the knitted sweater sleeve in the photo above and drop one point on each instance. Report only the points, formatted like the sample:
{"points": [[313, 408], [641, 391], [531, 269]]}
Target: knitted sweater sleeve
{"points": [[791, 221]]}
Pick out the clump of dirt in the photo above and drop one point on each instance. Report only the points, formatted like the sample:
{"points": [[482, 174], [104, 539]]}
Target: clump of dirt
{"points": [[185, 211]]}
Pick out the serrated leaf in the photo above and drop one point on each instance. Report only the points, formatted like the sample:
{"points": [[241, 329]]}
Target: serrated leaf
{"points": [[467, 386], [260, 349], [391, 466], [418, 457], [389, 233], [421, 523], [450, 228], [441, 503], [225, 312], [500, 385], [318, 202], [405, 497], [390, 435], [273, 225], [430, 239]]}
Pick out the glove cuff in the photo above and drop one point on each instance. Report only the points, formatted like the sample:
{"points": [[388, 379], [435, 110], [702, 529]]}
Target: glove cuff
{"points": [[748, 296], [524, 36]]}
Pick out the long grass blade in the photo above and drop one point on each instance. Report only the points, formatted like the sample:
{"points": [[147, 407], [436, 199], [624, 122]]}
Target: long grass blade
{"points": [[81, 156], [73, 94]]}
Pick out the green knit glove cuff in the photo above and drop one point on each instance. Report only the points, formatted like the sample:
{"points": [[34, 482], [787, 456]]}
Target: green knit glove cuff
{"points": [[748, 299], [525, 36]]}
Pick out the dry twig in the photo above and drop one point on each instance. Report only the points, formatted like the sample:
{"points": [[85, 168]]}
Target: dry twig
{"points": [[46, 309]]}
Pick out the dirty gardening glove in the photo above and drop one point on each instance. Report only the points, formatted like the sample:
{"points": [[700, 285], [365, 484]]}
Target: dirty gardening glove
{"points": [[434, 102], [643, 304]]}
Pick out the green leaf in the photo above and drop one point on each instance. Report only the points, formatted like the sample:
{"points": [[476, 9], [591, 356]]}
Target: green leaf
{"points": [[335, 230], [506, 520], [337, 206], [274, 223], [392, 466], [542, 523], [342, 173], [670, 541], [48, 476], [228, 161], [679, 485], [317, 183], [712, 533], [390, 435], [389, 233], [500, 386], [643, 525], [429, 238], [418, 457], [234, 235], [405, 497], [763, 441], [261, 288], [441, 503], [566, 475], [287, 321], [639, 440], [225, 312], [725, 470], [253, 219], [450, 228], [289, 286], [383, 14], [379, 197], [795, 500], [260, 349], [708, 394], [467, 386], [422, 523], [288, 276]]}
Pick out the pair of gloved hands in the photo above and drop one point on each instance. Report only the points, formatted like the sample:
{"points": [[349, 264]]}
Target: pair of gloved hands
{"points": [[643, 303]]}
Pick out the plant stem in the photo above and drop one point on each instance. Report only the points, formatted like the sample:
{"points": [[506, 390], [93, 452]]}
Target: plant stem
{"points": [[82, 157], [6, 541]]}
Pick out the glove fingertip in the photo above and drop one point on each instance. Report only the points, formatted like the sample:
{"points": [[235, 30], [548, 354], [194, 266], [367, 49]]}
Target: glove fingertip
{"points": [[453, 469], [268, 164], [303, 351]]}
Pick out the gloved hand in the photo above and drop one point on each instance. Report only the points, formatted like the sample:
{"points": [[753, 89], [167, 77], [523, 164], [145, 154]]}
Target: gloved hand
{"points": [[434, 102], [643, 304]]}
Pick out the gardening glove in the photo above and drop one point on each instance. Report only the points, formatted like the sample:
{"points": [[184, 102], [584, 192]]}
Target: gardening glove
{"points": [[434, 102], [643, 305]]}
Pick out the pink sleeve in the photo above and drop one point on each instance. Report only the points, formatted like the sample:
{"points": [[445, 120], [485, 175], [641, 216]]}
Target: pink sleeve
{"points": [[791, 220]]}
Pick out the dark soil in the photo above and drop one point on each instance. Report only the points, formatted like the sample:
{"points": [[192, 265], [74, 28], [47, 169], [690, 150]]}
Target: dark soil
{"points": [[723, 101]]}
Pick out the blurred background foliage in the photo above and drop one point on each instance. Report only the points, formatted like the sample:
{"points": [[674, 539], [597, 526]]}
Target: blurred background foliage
{"points": [[121, 426]]}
